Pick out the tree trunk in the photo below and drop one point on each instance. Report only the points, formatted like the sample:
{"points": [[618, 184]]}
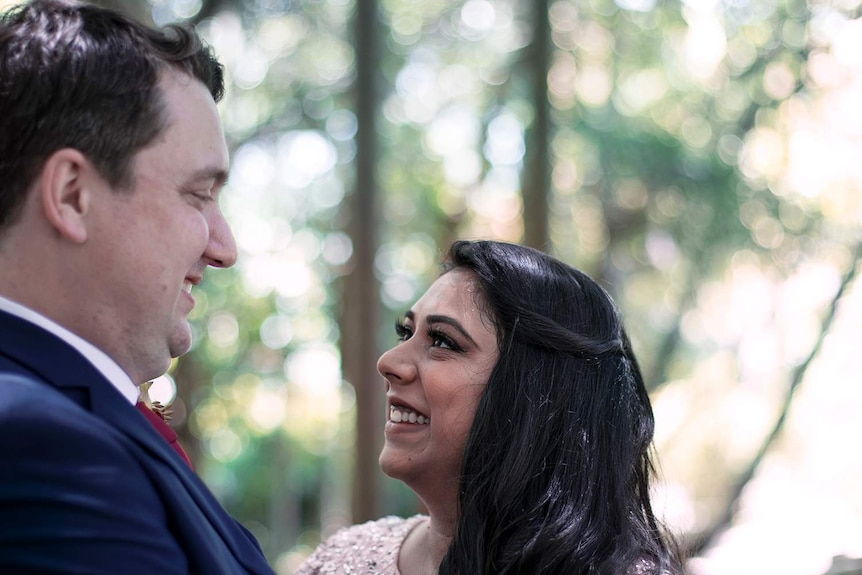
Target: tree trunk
{"points": [[361, 300], [536, 179]]}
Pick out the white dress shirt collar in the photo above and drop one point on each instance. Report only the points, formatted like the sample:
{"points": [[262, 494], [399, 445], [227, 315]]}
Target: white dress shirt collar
{"points": [[100, 360]]}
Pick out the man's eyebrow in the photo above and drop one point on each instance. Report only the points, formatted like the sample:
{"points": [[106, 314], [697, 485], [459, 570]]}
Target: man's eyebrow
{"points": [[436, 318]]}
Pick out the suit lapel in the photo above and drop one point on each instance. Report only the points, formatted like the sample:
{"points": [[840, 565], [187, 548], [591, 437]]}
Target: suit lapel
{"points": [[61, 366], [135, 426]]}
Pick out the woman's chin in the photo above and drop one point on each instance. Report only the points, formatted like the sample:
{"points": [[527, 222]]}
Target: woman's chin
{"points": [[389, 464], [399, 465]]}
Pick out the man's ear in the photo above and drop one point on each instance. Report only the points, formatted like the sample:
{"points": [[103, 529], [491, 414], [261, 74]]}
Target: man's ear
{"points": [[64, 186]]}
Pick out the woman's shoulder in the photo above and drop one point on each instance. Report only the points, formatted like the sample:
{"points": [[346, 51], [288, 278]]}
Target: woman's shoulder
{"points": [[370, 547], [650, 567], [387, 529]]}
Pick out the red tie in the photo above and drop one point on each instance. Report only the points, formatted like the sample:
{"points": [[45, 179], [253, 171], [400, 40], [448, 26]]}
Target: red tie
{"points": [[164, 430]]}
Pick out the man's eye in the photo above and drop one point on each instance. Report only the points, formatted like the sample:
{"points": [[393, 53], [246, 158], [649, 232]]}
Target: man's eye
{"points": [[201, 195]]}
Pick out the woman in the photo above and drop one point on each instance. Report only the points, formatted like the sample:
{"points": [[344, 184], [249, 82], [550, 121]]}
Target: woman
{"points": [[518, 415]]}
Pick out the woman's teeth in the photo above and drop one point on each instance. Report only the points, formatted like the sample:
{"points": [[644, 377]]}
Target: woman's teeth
{"points": [[404, 415]]}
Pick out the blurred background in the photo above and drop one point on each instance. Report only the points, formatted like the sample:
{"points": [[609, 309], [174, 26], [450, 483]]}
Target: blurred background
{"points": [[702, 159]]}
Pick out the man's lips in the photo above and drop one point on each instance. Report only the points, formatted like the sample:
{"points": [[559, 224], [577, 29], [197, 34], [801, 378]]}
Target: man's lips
{"points": [[190, 281], [188, 284]]}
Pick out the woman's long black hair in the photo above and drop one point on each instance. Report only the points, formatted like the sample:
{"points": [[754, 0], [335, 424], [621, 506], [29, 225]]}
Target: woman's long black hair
{"points": [[556, 470]]}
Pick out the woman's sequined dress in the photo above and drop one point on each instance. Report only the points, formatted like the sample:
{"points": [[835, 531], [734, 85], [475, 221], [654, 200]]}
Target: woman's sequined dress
{"points": [[367, 549]]}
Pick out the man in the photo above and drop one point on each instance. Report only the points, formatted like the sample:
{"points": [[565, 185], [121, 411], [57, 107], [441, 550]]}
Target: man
{"points": [[112, 158]]}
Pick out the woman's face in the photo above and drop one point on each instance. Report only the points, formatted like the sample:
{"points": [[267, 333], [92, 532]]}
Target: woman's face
{"points": [[434, 378]]}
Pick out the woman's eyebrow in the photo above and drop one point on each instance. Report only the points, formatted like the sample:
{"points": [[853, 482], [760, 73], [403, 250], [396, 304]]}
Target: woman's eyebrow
{"points": [[432, 319]]}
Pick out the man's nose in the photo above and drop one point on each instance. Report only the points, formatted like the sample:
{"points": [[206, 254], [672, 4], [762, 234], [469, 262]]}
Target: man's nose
{"points": [[221, 250]]}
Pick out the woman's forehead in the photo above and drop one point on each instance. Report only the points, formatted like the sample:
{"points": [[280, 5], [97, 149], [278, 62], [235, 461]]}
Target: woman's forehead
{"points": [[457, 294], [454, 291]]}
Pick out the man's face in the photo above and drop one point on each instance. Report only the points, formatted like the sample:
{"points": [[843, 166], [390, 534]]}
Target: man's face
{"points": [[158, 238]]}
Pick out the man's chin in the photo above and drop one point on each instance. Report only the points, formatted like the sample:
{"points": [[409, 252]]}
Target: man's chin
{"points": [[180, 341]]}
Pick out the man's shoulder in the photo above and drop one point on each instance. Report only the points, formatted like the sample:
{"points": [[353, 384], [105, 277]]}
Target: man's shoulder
{"points": [[23, 391], [34, 414]]}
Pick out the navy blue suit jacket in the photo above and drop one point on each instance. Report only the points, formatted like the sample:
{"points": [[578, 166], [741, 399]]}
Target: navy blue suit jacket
{"points": [[88, 486]]}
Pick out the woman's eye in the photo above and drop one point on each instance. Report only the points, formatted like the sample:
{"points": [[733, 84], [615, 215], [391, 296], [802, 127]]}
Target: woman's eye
{"points": [[443, 341], [402, 331]]}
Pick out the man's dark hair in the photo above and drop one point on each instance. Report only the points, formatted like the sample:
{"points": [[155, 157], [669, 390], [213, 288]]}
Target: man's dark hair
{"points": [[73, 75]]}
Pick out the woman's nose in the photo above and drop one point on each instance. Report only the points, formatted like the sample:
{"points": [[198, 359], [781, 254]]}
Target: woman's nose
{"points": [[396, 366]]}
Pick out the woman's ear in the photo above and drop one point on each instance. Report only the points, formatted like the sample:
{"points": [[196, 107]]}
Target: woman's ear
{"points": [[64, 187]]}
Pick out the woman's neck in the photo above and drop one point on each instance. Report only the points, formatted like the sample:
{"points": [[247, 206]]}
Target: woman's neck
{"points": [[425, 546]]}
